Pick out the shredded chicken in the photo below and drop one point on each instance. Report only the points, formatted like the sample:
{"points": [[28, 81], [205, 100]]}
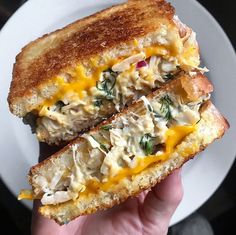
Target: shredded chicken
{"points": [[114, 90], [125, 64], [120, 144]]}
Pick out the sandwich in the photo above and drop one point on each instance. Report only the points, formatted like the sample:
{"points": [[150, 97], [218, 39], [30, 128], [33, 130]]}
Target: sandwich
{"points": [[128, 152], [72, 79], [124, 91]]}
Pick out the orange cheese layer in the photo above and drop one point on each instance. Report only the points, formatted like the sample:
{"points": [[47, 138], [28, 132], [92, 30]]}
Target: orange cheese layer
{"points": [[80, 82], [26, 194], [174, 136]]}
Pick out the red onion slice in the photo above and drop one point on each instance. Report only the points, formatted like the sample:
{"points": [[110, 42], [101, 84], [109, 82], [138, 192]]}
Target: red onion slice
{"points": [[141, 64]]}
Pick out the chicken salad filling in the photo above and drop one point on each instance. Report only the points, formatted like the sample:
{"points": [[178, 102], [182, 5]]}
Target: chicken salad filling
{"points": [[116, 88], [125, 147]]}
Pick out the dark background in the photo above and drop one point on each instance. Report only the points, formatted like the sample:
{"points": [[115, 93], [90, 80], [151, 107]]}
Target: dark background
{"points": [[220, 209]]}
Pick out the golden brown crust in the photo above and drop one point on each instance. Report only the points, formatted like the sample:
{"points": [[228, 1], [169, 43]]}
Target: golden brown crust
{"points": [[223, 124], [198, 86], [146, 179], [123, 196], [46, 57]]}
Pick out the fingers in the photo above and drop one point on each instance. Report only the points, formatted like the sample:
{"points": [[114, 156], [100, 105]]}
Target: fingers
{"points": [[41, 225], [142, 196], [161, 202], [170, 190]]}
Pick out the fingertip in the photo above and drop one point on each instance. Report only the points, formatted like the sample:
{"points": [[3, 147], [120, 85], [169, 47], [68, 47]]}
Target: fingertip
{"points": [[175, 175], [162, 201], [171, 188], [178, 172]]}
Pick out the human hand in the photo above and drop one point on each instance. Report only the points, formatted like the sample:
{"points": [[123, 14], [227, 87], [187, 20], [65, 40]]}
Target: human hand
{"points": [[149, 213]]}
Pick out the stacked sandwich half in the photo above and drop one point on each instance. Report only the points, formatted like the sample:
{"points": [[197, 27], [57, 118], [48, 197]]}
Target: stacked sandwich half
{"points": [[124, 90]]}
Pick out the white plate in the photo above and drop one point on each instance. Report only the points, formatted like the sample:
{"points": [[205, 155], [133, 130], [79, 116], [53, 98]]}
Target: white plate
{"points": [[19, 148]]}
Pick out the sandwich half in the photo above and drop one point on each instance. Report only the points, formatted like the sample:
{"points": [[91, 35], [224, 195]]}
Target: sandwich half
{"points": [[129, 152], [72, 79]]}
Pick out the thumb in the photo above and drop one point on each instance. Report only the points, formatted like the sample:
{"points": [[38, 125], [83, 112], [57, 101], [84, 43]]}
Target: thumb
{"points": [[160, 204]]}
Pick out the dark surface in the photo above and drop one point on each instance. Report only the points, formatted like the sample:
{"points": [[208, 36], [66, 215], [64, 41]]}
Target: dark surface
{"points": [[220, 209]]}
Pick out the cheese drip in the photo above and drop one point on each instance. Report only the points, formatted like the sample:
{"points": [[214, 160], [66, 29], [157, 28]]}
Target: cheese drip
{"points": [[80, 82], [174, 136]]}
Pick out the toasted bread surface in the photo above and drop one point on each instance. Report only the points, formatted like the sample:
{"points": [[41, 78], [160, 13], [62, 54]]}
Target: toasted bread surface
{"points": [[107, 33], [211, 127]]}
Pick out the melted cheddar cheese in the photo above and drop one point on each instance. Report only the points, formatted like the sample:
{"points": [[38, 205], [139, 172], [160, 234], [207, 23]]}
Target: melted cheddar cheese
{"points": [[26, 194], [80, 82], [174, 136]]}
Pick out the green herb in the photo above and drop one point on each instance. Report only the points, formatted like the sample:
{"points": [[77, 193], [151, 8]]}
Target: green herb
{"points": [[166, 102], [157, 115], [102, 146], [106, 128], [166, 99], [60, 104], [107, 84], [169, 76], [121, 99], [150, 108], [97, 102], [146, 143], [198, 120]]}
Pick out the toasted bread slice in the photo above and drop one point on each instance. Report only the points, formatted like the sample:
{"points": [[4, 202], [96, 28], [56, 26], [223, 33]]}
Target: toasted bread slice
{"points": [[64, 67], [129, 152], [211, 127]]}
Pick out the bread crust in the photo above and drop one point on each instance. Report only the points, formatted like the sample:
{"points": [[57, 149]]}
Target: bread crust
{"points": [[211, 120], [48, 56]]}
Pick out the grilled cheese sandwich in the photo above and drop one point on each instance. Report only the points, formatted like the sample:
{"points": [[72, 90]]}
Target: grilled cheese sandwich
{"points": [[151, 132], [72, 83], [126, 85]]}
